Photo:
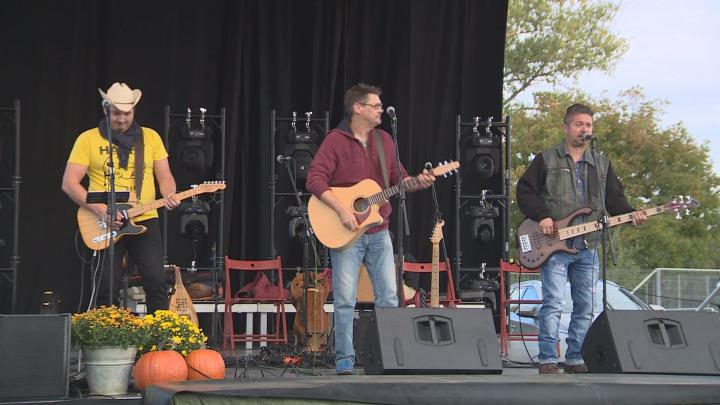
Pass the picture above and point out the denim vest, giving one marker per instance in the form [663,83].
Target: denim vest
[560,193]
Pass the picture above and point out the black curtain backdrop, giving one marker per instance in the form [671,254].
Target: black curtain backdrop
[433,59]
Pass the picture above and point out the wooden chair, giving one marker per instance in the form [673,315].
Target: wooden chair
[279,335]
[447,299]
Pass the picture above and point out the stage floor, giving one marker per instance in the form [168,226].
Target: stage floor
[513,386]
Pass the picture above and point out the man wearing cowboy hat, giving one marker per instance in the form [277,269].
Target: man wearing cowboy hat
[131,143]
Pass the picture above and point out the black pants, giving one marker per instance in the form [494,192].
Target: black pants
[145,251]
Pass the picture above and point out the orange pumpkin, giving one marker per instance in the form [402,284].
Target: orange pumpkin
[159,367]
[204,364]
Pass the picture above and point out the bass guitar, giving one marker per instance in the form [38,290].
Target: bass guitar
[536,247]
[364,200]
[96,232]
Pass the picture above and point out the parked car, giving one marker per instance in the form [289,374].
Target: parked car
[523,318]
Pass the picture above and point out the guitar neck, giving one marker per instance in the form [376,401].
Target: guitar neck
[411,183]
[435,280]
[143,208]
[588,227]
[381,197]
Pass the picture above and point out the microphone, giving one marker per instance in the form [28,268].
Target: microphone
[281,158]
[106,104]
[586,137]
[391,112]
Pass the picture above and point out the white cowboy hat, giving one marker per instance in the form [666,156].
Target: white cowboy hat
[121,96]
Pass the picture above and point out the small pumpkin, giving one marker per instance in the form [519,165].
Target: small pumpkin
[204,364]
[159,367]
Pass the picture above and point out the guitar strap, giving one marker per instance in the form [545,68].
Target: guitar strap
[139,163]
[381,156]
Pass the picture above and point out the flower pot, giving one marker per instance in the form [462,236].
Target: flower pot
[108,369]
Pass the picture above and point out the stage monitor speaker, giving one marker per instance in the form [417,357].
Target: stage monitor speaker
[656,342]
[430,341]
[35,352]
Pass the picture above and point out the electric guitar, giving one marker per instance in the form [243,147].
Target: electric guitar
[364,200]
[536,247]
[436,237]
[96,232]
[180,301]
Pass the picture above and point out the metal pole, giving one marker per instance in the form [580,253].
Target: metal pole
[17,179]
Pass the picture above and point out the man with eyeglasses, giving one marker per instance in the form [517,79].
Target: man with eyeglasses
[349,154]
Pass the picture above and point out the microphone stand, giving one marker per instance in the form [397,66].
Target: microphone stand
[603,220]
[309,238]
[403,227]
[112,212]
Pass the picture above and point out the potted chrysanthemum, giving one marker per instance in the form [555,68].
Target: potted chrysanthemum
[108,337]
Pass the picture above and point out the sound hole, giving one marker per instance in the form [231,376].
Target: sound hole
[360,205]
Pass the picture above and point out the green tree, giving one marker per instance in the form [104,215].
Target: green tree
[550,40]
[655,165]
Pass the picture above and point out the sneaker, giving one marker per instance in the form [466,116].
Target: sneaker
[344,367]
[576,369]
[549,368]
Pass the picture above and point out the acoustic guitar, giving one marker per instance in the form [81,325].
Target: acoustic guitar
[435,238]
[364,200]
[536,247]
[96,232]
[312,323]
[180,301]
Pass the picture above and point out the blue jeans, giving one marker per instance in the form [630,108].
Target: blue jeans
[376,252]
[581,270]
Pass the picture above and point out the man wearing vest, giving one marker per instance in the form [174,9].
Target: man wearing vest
[558,182]
[351,153]
[131,144]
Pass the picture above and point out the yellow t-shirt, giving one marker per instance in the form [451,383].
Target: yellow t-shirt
[91,150]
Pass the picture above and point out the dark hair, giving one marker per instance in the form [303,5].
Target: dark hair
[575,109]
[358,94]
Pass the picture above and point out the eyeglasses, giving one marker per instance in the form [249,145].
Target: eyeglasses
[377,106]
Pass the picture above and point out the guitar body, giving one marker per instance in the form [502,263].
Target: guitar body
[536,247]
[326,222]
[96,232]
[180,301]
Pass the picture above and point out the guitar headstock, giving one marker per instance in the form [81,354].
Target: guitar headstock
[437,234]
[681,205]
[209,186]
[445,168]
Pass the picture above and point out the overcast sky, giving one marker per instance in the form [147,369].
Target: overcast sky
[674,55]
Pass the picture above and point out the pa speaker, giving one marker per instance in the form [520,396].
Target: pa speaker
[430,341]
[35,356]
[660,342]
